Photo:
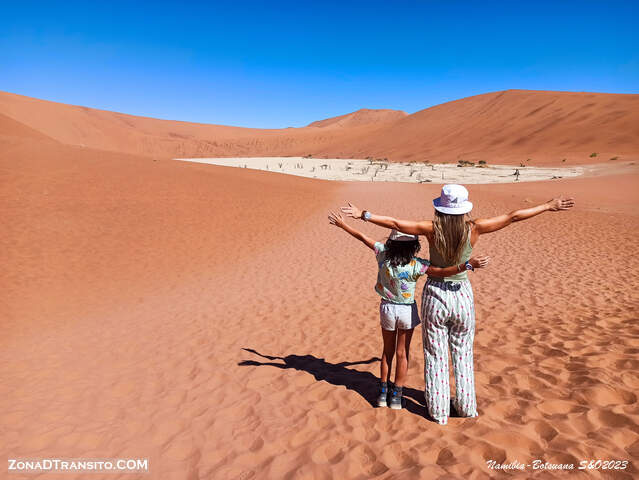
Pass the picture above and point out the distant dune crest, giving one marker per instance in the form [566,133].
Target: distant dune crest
[364,116]
[508,127]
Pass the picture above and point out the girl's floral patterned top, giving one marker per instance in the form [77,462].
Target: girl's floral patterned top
[397,284]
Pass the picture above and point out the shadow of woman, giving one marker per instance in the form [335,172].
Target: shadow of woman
[364,383]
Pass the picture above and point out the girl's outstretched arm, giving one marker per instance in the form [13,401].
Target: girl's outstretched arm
[338,220]
[488,225]
[404,226]
[476,262]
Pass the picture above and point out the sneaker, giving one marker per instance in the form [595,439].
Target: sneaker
[383,395]
[396,398]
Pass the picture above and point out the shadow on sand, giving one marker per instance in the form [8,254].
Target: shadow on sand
[364,383]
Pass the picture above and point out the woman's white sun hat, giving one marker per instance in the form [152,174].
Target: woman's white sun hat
[401,237]
[453,200]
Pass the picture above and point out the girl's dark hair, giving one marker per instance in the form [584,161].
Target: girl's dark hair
[400,253]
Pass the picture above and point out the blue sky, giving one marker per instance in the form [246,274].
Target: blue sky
[278,64]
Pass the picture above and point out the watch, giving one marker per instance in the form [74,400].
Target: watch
[366,215]
[469,266]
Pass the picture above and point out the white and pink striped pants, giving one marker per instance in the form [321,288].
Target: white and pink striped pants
[448,318]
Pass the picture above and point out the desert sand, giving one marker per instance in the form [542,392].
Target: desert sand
[210,319]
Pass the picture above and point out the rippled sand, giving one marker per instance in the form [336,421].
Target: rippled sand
[210,319]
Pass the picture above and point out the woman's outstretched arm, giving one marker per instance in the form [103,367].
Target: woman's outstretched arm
[404,226]
[337,220]
[488,225]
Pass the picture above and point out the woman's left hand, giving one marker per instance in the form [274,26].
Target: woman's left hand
[557,204]
[352,211]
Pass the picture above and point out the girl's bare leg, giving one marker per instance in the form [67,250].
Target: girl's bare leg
[388,353]
[404,338]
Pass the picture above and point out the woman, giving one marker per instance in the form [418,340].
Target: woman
[448,311]
[398,271]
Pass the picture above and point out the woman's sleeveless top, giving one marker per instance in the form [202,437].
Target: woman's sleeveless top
[437,261]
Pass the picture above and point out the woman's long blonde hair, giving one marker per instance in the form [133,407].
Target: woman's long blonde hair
[450,235]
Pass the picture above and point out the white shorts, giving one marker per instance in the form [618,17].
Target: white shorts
[393,316]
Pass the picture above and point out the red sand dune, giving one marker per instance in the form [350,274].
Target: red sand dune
[514,125]
[210,319]
[363,116]
[503,127]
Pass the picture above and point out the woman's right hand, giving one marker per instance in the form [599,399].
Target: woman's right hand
[479,262]
[352,211]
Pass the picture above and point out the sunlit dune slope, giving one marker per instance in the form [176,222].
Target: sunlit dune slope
[503,127]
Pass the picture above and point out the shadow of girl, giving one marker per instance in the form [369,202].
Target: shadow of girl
[364,383]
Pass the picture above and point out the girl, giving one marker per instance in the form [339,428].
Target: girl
[448,309]
[398,272]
